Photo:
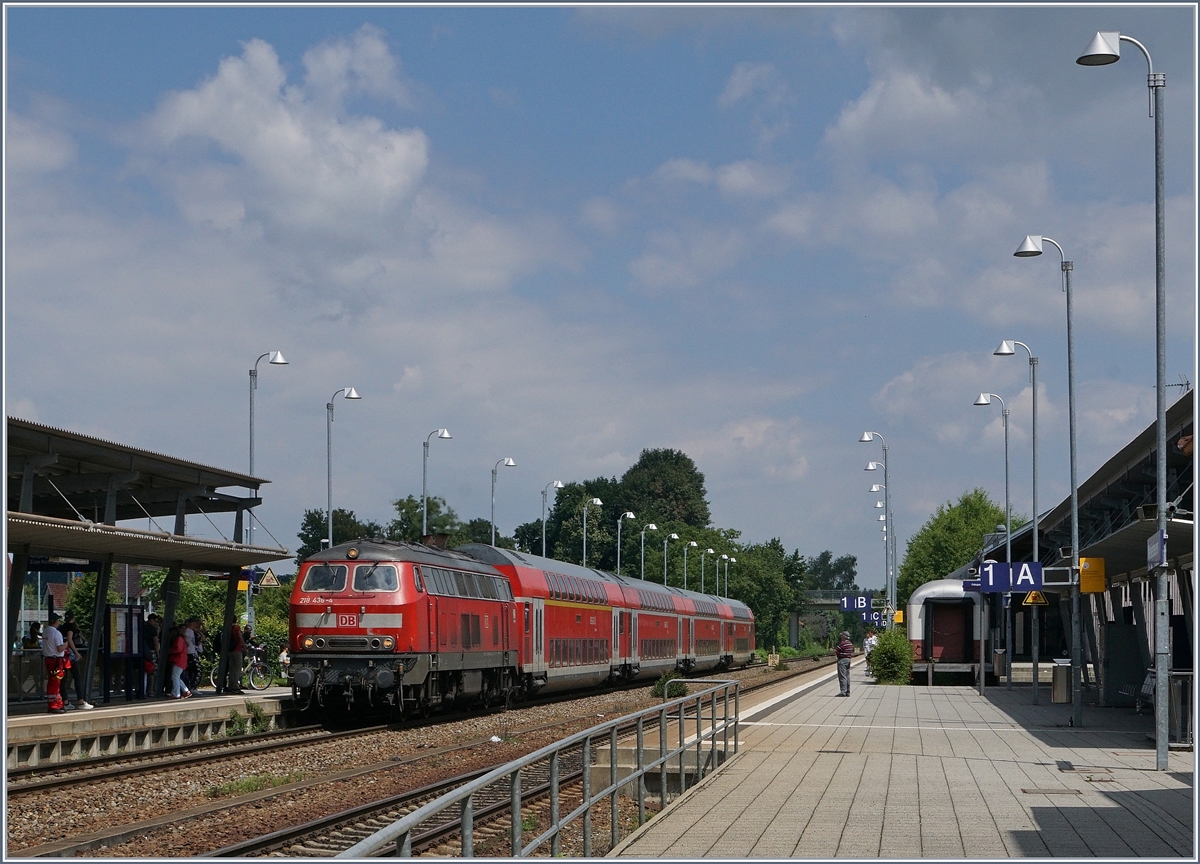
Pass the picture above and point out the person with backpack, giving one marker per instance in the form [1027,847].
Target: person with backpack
[844,650]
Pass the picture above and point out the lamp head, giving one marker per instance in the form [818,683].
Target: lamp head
[650,527]
[1030,247]
[557,484]
[724,557]
[510,463]
[873,466]
[672,536]
[877,487]
[692,544]
[878,505]
[628,515]
[444,433]
[1104,48]
[882,518]
[708,552]
[866,438]
[351,393]
[277,359]
[1006,348]
[595,501]
[984,399]
[732,560]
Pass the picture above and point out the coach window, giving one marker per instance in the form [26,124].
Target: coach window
[324,577]
[375,577]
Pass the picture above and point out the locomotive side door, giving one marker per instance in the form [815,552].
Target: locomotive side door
[527,637]
[615,650]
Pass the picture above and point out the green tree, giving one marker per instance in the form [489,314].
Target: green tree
[826,573]
[665,486]
[346,527]
[81,599]
[951,538]
[407,524]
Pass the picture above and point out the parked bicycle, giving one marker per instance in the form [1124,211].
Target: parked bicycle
[257,671]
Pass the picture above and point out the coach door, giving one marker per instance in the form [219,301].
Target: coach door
[685,638]
[615,653]
[633,639]
[539,634]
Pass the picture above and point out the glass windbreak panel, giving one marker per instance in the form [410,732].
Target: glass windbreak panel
[375,577]
[325,577]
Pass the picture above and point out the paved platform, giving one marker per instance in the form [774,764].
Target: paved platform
[931,772]
[36,737]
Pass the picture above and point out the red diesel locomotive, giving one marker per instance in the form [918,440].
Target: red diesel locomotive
[413,626]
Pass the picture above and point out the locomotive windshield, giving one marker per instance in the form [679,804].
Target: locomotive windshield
[375,577]
[325,577]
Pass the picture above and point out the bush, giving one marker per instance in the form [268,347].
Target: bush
[668,685]
[891,661]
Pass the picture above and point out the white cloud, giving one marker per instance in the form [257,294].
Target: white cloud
[748,79]
[684,171]
[686,259]
[363,63]
[33,147]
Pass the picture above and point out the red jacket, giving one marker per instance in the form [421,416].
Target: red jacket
[178,652]
[844,649]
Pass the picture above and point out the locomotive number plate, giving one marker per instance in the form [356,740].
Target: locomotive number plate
[347,620]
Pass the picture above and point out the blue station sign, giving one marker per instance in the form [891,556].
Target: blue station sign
[998,578]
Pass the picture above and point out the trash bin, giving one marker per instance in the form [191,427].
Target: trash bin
[1060,686]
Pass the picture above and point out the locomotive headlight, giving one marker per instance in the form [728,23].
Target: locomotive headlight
[308,642]
[389,643]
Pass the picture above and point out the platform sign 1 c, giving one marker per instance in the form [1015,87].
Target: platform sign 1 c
[856,603]
[875,617]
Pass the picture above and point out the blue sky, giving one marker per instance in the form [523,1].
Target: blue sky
[571,234]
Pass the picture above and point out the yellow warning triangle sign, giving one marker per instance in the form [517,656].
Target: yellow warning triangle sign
[270,580]
[1036,598]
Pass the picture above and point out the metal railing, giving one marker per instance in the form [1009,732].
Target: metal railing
[27,675]
[711,724]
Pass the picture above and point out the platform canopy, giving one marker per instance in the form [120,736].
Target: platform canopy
[54,472]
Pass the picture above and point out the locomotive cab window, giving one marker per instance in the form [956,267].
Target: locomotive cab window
[375,577]
[417,580]
[325,577]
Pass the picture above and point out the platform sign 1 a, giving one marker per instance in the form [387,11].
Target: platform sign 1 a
[1001,577]
[1027,576]
[855,603]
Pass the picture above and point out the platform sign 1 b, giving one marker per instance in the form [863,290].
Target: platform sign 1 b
[856,603]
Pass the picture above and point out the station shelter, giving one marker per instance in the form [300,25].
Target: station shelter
[68,494]
[1117,516]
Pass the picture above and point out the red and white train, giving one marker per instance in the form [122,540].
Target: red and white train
[414,626]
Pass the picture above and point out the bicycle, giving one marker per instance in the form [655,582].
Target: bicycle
[255,670]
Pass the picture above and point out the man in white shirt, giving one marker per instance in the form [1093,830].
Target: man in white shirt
[53,650]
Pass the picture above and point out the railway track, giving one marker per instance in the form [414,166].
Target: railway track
[26,780]
[325,837]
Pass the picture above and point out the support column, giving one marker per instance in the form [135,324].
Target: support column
[231,592]
[98,638]
[170,593]
[16,585]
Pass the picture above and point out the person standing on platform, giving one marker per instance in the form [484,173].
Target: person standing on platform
[233,672]
[191,638]
[33,639]
[844,650]
[54,651]
[150,651]
[869,645]
[74,640]
[178,657]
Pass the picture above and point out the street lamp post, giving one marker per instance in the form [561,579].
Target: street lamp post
[588,503]
[889,558]
[667,540]
[1007,349]
[351,393]
[1105,48]
[276,360]
[650,527]
[1031,247]
[731,560]
[626,515]
[553,484]
[441,433]
[702,554]
[986,399]
[724,558]
[507,462]
[691,544]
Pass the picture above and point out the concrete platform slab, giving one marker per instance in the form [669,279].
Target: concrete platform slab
[931,772]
